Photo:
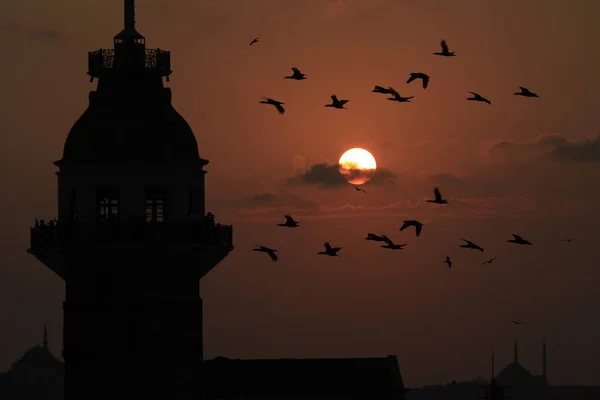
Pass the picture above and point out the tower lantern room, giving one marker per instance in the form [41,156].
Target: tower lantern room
[132,238]
[129,58]
[130,45]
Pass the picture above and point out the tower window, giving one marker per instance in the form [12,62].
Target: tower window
[155,204]
[108,204]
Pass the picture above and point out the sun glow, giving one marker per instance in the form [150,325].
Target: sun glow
[357,166]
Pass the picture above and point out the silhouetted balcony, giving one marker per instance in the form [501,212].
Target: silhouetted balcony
[104,59]
[201,232]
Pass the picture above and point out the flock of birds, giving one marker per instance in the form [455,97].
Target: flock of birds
[290,222]
[395,96]
[438,199]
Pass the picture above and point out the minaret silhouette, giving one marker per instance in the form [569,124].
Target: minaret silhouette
[493,390]
[132,239]
[493,374]
[516,355]
[544,360]
[45,338]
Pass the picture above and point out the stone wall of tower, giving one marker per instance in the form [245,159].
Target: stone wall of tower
[132,322]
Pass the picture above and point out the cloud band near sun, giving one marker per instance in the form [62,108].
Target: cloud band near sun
[554,147]
[325,175]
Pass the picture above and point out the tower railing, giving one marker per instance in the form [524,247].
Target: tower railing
[134,231]
[104,59]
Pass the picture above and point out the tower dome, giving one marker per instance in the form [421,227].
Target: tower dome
[130,116]
[112,132]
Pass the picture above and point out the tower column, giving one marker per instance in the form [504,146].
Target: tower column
[129,14]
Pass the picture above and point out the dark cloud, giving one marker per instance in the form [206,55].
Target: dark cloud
[273,206]
[463,207]
[265,197]
[555,147]
[283,199]
[33,32]
[586,150]
[445,180]
[326,175]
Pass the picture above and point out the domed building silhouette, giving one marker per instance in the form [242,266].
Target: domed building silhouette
[523,383]
[132,238]
[36,375]
[513,382]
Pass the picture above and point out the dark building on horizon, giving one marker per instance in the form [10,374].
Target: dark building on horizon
[36,375]
[133,239]
[524,383]
[514,380]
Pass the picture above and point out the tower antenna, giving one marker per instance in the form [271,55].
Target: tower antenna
[129,15]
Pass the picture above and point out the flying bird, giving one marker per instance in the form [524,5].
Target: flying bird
[270,252]
[518,240]
[437,197]
[568,240]
[330,251]
[359,189]
[478,97]
[391,245]
[445,51]
[517,322]
[525,92]
[374,237]
[381,89]
[336,103]
[470,245]
[419,75]
[408,223]
[289,222]
[489,261]
[448,261]
[277,104]
[297,75]
[396,97]
[255,40]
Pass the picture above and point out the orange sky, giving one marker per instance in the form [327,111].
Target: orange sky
[527,166]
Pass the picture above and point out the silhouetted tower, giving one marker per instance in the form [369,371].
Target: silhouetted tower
[544,360]
[132,239]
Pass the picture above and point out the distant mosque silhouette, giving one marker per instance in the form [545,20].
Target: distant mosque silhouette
[133,239]
[515,374]
[36,375]
[513,382]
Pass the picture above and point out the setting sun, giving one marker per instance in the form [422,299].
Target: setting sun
[357,166]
